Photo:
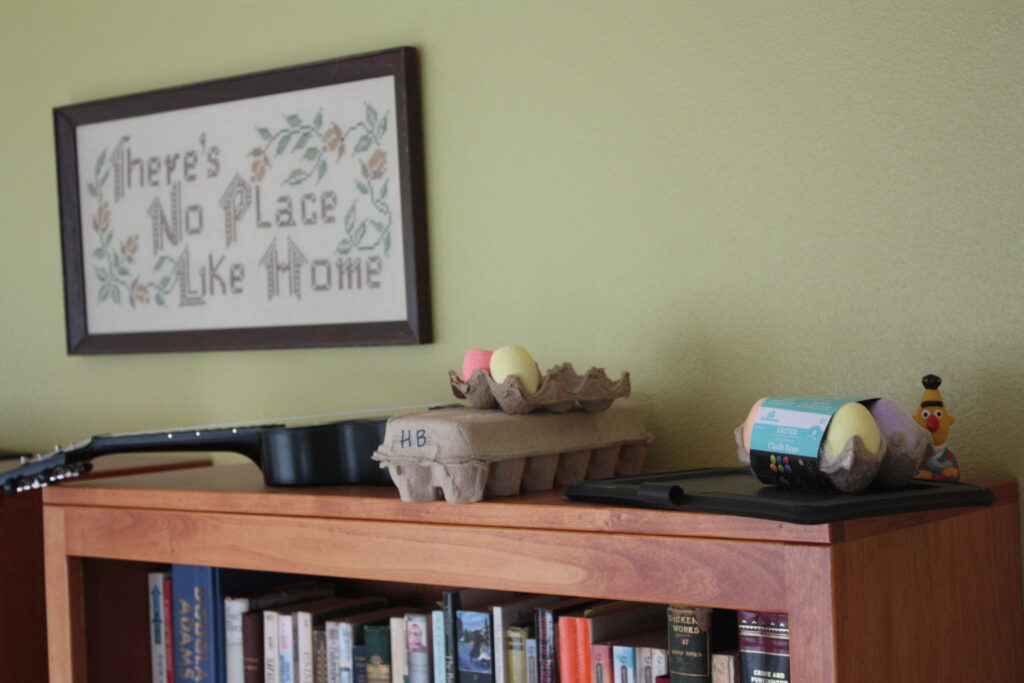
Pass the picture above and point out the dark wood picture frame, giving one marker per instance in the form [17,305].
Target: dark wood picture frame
[401,63]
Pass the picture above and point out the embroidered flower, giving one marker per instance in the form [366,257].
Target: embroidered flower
[101,221]
[377,167]
[260,164]
[139,293]
[334,140]
[129,248]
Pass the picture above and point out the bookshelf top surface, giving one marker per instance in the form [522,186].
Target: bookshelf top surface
[240,489]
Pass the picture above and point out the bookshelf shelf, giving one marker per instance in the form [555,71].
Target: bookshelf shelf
[863,596]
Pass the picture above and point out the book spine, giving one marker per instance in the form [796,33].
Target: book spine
[451,603]
[764,646]
[583,650]
[644,665]
[377,640]
[623,664]
[169,628]
[157,630]
[333,652]
[399,655]
[725,667]
[601,663]
[252,644]
[271,667]
[437,643]
[417,648]
[532,668]
[659,661]
[515,640]
[566,655]
[304,647]
[475,652]
[234,639]
[320,655]
[359,664]
[286,648]
[193,590]
[689,644]
[346,653]
[547,672]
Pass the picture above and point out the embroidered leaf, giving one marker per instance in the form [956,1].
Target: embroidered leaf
[115,294]
[265,134]
[103,180]
[350,218]
[293,120]
[382,126]
[311,153]
[101,275]
[318,119]
[97,252]
[303,139]
[378,225]
[160,299]
[163,282]
[344,246]
[92,191]
[371,116]
[283,145]
[321,168]
[360,232]
[122,271]
[295,177]
[104,292]
[99,162]
[387,244]
[361,187]
[384,189]
[364,143]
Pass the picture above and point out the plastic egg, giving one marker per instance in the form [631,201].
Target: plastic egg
[475,359]
[853,419]
[515,360]
[892,419]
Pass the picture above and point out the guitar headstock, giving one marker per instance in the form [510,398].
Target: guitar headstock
[42,470]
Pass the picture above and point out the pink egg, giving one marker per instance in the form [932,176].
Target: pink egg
[748,424]
[475,359]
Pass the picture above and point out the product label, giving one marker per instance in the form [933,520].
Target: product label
[786,436]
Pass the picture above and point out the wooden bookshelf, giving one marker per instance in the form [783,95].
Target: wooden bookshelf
[915,597]
[22,608]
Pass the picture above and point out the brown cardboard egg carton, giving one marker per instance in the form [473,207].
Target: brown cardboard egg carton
[466,454]
[561,389]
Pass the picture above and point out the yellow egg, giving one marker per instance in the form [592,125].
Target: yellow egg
[853,419]
[515,360]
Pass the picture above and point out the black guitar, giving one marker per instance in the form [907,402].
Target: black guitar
[317,455]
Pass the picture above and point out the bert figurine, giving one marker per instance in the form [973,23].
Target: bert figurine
[933,415]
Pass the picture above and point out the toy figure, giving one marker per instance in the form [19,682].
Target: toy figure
[935,417]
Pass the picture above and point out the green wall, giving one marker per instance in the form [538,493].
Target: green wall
[727,199]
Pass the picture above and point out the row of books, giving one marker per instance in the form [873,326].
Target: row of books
[233,626]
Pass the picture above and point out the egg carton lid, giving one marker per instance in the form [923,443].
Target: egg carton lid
[459,435]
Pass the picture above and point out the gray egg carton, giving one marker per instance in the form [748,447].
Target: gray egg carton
[467,454]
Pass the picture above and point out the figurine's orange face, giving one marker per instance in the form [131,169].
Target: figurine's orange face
[937,420]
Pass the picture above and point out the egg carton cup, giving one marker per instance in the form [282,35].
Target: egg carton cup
[561,389]
[466,454]
[900,461]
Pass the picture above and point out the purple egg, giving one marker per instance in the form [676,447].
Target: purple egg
[892,419]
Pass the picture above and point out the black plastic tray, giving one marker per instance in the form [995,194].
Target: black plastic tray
[735,491]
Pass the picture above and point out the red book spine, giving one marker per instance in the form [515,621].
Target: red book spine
[252,646]
[583,655]
[601,663]
[168,629]
[568,665]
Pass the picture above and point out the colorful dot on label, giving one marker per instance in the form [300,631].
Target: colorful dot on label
[771,458]
[785,460]
[789,470]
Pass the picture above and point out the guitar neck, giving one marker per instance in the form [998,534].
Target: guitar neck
[243,440]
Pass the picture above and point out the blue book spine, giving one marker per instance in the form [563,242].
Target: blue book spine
[438,642]
[193,592]
[359,663]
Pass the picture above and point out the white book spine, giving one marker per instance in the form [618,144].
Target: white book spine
[270,666]
[399,656]
[234,648]
[333,664]
[437,644]
[286,647]
[157,629]
[532,665]
[304,646]
[345,643]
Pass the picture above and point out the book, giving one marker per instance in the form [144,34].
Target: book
[515,611]
[725,667]
[567,656]
[319,655]
[689,630]
[252,628]
[515,658]
[377,639]
[286,647]
[237,604]
[351,634]
[623,664]
[271,664]
[532,665]
[601,663]
[649,657]
[313,614]
[169,628]
[198,604]
[399,650]
[437,645]
[418,648]
[546,631]
[452,601]
[359,664]
[763,647]
[608,620]
[159,621]
[476,662]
